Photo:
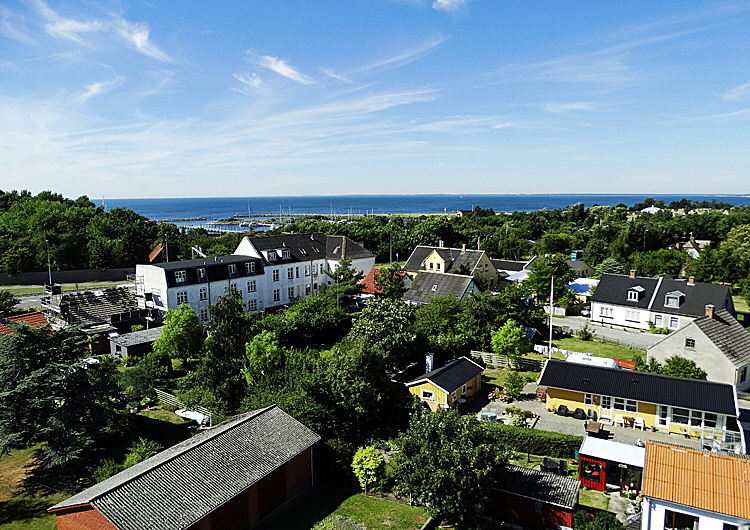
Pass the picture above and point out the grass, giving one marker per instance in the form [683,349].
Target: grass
[593,499]
[740,304]
[20,510]
[600,349]
[21,291]
[492,378]
[371,512]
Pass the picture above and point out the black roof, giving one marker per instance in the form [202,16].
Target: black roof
[538,485]
[510,265]
[727,334]
[452,376]
[430,284]
[416,260]
[216,269]
[454,257]
[311,246]
[697,296]
[613,289]
[695,394]
[179,486]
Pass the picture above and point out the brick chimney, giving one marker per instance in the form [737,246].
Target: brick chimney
[632,273]
[710,311]
[691,280]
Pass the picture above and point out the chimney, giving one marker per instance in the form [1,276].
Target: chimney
[632,273]
[343,247]
[710,311]
[463,247]
[691,280]
[440,243]
[430,362]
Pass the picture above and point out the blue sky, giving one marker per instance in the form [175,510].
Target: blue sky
[189,99]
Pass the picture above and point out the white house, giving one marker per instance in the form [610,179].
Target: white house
[686,489]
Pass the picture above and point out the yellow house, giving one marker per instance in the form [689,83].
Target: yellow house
[638,399]
[444,387]
[461,261]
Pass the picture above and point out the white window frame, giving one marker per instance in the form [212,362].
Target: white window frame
[624,405]
[203,315]
[672,301]
[290,292]
[632,296]
[659,321]
[180,276]
[290,273]
[252,286]
[428,395]
[276,275]
[250,267]
[252,304]
[203,294]
[632,316]
[182,297]
[606,312]
[286,254]
[588,399]
[277,295]
[307,270]
[201,274]
[232,269]
[674,322]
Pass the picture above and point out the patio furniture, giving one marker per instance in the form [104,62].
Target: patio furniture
[592,414]
[619,420]
[593,428]
[563,468]
[639,423]
[579,414]
[562,410]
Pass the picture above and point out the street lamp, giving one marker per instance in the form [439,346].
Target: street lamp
[49,263]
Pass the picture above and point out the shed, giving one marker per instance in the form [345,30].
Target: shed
[603,462]
[137,343]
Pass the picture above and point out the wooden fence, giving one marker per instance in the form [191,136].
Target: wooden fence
[173,401]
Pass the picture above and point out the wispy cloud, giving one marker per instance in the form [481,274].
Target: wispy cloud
[102,87]
[281,67]
[249,81]
[450,6]
[456,124]
[133,35]
[737,93]
[407,56]
[336,76]
[12,26]
[568,107]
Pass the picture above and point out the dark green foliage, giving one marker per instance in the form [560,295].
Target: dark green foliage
[535,442]
[7,301]
[675,366]
[390,280]
[345,287]
[182,335]
[539,281]
[387,328]
[318,320]
[601,521]
[49,394]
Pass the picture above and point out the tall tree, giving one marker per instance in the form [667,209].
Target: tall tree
[511,341]
[48,393]
[181,336]
[386,326]
[346,286]
[542,270]
[390,280]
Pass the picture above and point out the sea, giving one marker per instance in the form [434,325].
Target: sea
[216,208]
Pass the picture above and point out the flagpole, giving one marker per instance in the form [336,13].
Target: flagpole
[551,298]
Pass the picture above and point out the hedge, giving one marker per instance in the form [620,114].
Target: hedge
[525,440]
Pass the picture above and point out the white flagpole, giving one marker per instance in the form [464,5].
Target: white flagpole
[551,298]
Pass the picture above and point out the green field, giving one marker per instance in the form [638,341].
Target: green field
[600,349]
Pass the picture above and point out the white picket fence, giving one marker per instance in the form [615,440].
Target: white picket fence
[174,401]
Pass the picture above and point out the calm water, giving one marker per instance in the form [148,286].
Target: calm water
[224,207]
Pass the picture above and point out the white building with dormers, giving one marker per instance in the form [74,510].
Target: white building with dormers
[269,271]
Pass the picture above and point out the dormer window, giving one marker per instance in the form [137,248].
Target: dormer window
[271,255]
[286,254]
[635,293]
[180,276]
[232,270]
[434,288]
[674,299]
[250,267]
[201,275]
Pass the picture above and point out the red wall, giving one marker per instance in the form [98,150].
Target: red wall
[598,483]
[507,507]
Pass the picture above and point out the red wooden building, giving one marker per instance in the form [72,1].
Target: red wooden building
[226,478]
[532,499]
[602,462]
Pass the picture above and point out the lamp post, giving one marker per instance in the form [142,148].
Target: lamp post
[49,263]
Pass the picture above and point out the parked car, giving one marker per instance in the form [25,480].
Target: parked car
[586,311]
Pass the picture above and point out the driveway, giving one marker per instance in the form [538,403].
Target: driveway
[634,339]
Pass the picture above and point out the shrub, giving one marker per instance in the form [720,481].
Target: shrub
[523,440]
[140,451]
[106,469]
[514,385]
[585,333]
[369,466]
[658,331]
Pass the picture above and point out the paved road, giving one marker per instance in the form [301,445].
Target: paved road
[634,339]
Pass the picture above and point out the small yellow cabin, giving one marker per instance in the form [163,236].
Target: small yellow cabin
[444,387]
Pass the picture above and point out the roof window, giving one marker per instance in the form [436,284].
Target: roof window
[434,288]
[635,293]
[674,299]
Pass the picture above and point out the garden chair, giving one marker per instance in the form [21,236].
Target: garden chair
[638,423]
[619,420]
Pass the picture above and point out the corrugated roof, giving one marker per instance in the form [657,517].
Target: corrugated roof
[707,481]
[137,337]
[452,376]
[696,394]
[30,319]
[430,284]
[538,485]
[181,485]
[614,451]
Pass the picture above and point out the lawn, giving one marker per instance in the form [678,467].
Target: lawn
[600,349]
[593,499]
[342,501]
[492,378]
[740,304]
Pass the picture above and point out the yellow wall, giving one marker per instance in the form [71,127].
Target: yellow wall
[438,395]
[441,398]
[436,261]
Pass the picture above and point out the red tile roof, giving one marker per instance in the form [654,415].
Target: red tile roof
[699,479]
[368,282]
[32,319]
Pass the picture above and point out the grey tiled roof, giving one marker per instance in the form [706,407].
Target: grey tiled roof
[182,484]
[316,245]
[695,394]
[418,255]
[452,376]
[138,337]
[728,335]
[613,289]
[341,247]
[430,284]
[697,296]
[538,485]
[454,257]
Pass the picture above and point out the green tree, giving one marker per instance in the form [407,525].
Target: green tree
[139,451]
[610,266]
[542,270]
[386,326]
[583,520]
[346,286]
[446,463]
[681,367]
[50,394]
[390,280]
[369,466]
[262,356]
[437,324]
[7,301]
[511,342]
[181,336]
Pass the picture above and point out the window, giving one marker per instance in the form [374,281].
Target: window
[232,270]
[201,275]
[679,521]
[431,265]
[588,399]
[290,291]
[290,273]
[672,301]
[633,296]
[628,405]
[486,267]
[182,297]
[658,321]
[203,295]
[276,275]
[428,395]
[180,276]
[286,253]
[696,418]
[250,267]
[680,416]
[437,266]
[321,268]
[710,420]
[307,270]
[690,343]
[538,507]
[728,526]
[204,314]
[633,316]
[674,322]
[606,403]
[463,390]
[743,374]
[307,289]
[434,288]
[606,312]
[252,304]
[252,286]
[661,417]
[296,272]
[277,295]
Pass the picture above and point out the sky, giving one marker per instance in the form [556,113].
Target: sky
[131,99]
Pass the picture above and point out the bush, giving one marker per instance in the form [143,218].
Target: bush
[369,467]
[334,522]
[523,440]
[658,331]
[106,469]
[585,333]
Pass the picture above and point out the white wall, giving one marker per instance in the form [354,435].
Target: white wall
[653,516]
